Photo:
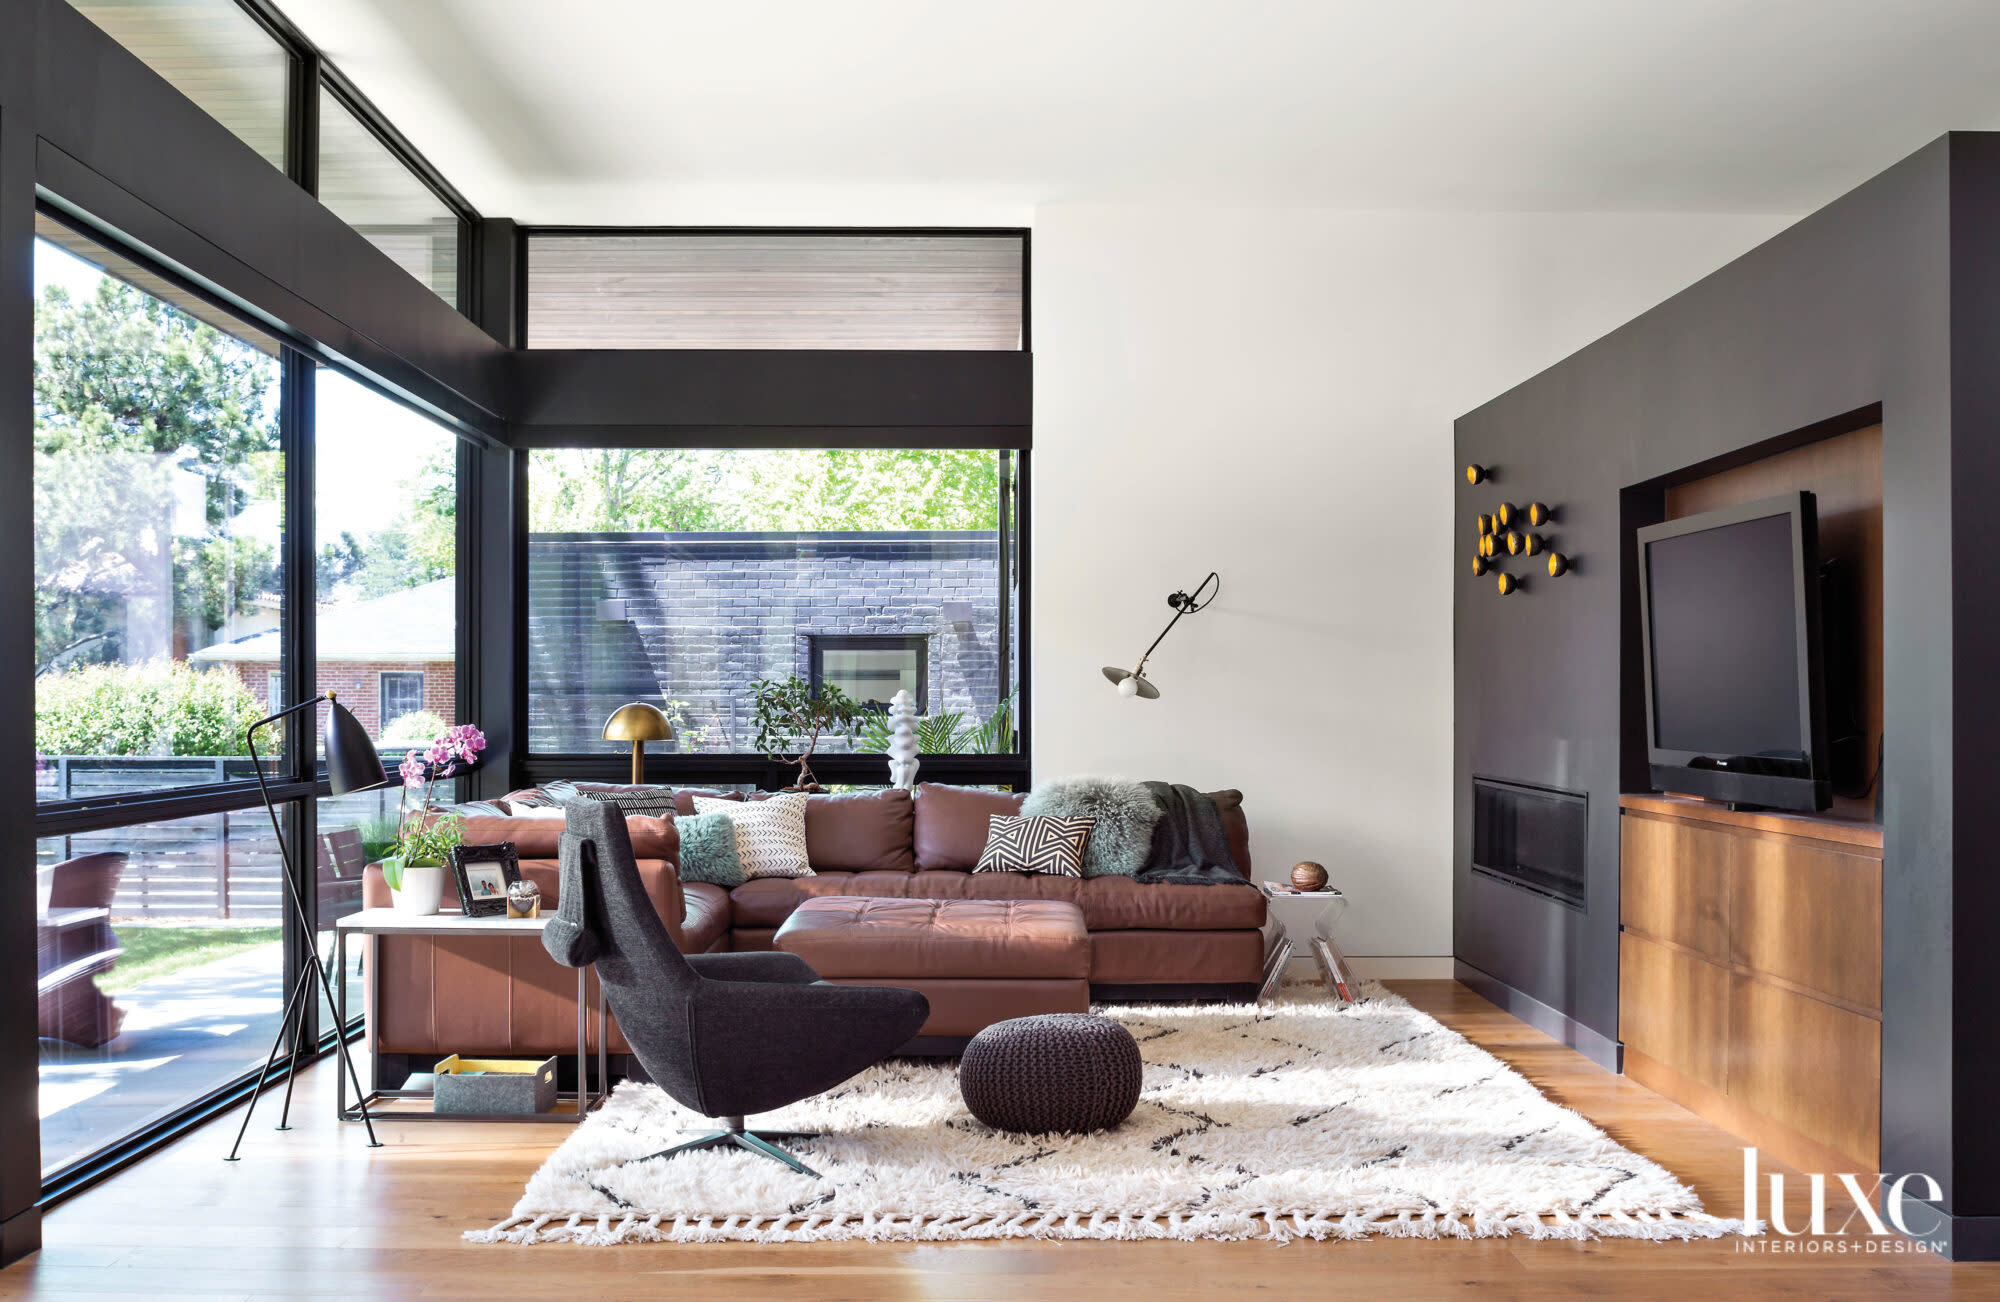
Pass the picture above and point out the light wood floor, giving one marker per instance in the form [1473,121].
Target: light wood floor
[315,1213]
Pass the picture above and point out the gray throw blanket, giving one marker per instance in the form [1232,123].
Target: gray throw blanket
[1189,845]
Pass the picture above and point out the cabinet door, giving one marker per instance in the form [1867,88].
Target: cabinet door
[1807,1065]
[1809,914]
[1674,882]
[1674,1008]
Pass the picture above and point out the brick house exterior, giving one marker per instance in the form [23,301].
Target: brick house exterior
[409,636]
[688,621]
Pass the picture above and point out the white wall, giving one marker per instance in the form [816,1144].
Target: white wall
[1270,394]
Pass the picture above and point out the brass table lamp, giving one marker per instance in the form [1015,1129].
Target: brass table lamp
[638,723]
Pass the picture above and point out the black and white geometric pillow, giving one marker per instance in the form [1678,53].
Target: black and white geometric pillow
[649,804]
[770,834]
[1028,844]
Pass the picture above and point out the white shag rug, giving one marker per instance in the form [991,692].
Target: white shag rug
[1297,1118]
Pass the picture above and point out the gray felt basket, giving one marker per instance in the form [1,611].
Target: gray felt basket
[494,1085]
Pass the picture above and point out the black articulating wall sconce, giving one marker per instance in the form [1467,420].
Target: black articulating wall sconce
[1510,531]
[1132,682]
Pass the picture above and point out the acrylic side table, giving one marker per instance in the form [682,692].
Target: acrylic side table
[392,922]
[1309,926]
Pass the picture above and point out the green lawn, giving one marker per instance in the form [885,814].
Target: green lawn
[154,952]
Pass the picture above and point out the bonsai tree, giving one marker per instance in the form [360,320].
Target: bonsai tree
[791,717]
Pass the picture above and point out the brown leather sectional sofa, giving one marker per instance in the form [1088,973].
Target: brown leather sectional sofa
[499,995]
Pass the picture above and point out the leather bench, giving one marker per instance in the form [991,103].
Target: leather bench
[977,961]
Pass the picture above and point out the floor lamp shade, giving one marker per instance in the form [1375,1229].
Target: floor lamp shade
[351,761]
[638,723]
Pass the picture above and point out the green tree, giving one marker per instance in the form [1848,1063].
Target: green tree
[136,404]
[160,707]
[671,490]
[855,490]
[616,490]
[421,544]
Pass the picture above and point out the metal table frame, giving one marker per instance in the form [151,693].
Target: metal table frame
[390,922]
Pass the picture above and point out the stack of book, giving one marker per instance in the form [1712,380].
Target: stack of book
[1333,967]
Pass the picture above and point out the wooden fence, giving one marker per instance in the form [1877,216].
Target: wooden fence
[210,866]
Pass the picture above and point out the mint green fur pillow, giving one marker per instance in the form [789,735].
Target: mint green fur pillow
[1121,841]
[708,850]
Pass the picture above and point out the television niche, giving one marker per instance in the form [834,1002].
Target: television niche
[1735,702]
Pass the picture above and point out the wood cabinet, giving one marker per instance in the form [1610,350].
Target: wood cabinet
[1750,973]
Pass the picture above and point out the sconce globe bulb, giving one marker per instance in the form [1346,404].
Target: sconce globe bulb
[1128,687]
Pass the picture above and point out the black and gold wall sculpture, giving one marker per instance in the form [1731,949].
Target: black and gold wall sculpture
[1509,531]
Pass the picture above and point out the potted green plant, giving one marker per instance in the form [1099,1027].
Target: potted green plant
[791,718]
[418,860]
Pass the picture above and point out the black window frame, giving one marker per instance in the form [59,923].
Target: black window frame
[818,644]
[299,782]
[1012,770]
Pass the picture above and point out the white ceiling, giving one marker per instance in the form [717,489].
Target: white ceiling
[971,111]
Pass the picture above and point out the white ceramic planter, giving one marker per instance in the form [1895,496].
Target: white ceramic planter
[423,890]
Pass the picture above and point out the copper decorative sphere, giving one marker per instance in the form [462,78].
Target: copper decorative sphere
[1309,876]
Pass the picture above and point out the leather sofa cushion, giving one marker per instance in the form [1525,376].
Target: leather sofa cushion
[768,901]
[1176,957]
[540,838]
[707,918]
[987,940]
[951,824]
[1108,903]
[867,831]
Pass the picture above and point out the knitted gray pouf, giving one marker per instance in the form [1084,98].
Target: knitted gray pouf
[1055,1072]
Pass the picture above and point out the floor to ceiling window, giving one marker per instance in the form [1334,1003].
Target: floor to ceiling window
[159,478]
[385,489]
[185,584]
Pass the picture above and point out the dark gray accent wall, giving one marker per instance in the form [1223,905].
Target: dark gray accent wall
[1883,305]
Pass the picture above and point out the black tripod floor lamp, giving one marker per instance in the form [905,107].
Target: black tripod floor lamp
[351,765]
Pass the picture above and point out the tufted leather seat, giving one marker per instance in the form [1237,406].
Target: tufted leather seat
[978,961]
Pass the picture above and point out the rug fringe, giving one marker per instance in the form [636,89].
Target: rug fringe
[1281,1227]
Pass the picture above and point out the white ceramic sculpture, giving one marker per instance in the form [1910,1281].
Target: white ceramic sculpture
[903,741]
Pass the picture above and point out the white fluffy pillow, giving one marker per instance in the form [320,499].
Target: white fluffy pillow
[770,834]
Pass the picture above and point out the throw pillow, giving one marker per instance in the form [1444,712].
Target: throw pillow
[1125,812]
[656,803]
[708,850]
[547,796]
[770,834]
[1021,844]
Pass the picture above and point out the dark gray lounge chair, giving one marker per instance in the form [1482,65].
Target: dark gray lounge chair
[728,1035]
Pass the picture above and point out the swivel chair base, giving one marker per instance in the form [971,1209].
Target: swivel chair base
[760,1142]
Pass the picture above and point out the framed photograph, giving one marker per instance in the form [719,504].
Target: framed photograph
[484,873]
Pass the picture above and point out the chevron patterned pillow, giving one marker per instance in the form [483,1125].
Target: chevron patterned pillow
[1017,844]
[770,834]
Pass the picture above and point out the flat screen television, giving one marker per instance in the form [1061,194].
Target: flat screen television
[1730,603]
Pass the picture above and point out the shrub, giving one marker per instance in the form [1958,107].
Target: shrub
[416,728]
[158,707]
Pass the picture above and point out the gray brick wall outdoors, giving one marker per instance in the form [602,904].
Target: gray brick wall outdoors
[696,617]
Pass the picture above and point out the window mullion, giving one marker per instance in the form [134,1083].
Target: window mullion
[298,668]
